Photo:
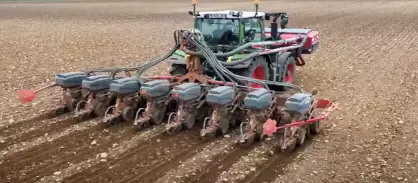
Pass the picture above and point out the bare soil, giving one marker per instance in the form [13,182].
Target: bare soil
[367,61]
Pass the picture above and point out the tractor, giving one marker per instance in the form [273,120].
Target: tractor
[229,33]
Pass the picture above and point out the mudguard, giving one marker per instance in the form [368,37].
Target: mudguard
[96,83]
[69,80]
[124,86]
[187,91]
[280,63]
[155,88]
[311,43]
[258,99]
[220,95]
[299,102]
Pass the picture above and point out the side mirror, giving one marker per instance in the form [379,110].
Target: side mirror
[314,92]
[191,13]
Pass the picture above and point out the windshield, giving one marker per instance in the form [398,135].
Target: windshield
[219,31]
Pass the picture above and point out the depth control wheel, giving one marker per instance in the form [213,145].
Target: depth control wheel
[100,108]
[315,127]
[71,105]
[158,114]
[190,120]
[302,133]
[128,114]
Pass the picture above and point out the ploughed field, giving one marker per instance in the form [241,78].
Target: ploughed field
[367,60]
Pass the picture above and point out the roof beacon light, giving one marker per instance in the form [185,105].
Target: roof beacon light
[256,2]
[194,7]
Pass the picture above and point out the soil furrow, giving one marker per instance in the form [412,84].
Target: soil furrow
[146,151]
[47,151]
[148,158]
[274,165]
[15,127]
[168,162]
[42,129]
[104,140]
[249,163]
[74,170]
[221,163]
[199,161]
[26,150]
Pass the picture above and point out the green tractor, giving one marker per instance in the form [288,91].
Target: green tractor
[244,46]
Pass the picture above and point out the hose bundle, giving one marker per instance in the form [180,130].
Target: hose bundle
[223,72]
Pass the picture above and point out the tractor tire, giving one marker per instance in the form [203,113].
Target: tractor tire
[178,69]
[258,69]
[289,70]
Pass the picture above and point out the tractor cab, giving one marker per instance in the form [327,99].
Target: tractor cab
[230,28]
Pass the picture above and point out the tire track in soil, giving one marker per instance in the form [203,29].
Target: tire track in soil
[48,157]
[124,165]
[221,163]
[43,128]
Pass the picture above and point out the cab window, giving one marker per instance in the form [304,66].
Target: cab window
[253,29]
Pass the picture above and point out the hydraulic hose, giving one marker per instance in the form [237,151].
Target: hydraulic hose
[141,68]
[211,58]
[215,63]
[248,45]
[210,61]
[150,64]
[256,54]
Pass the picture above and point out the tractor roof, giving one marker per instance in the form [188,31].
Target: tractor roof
[230,14]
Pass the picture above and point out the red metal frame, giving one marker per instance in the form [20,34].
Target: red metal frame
[320,103]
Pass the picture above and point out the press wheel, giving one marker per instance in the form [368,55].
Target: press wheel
[128,114]
[158,114]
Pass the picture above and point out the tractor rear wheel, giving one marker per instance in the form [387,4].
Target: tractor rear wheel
[258,69]
[289,70]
